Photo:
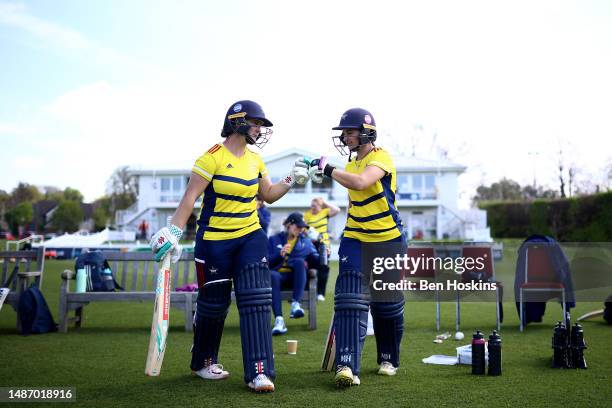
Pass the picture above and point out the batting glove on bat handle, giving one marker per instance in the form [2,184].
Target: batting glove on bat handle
[165,241]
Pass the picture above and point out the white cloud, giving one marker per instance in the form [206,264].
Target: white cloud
[17,15]
[16,129]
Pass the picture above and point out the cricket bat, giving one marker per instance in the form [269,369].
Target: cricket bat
[329,355]
[591,315]
[159,327]
[5,291]
[3,294]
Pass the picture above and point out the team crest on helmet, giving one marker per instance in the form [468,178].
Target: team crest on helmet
[237,107]
[344,116]
[368,119]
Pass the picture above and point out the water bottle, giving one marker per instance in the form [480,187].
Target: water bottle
[495,354]
[107,279]
[560,347]
[578,346]
[81,280]
[478,353]
[322,253]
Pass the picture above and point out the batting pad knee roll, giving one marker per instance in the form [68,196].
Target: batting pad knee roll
[254,298]
[212,304]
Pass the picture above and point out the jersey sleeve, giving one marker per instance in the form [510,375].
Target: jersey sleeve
[263,171]
[206,165]
[381,159]
[324,212]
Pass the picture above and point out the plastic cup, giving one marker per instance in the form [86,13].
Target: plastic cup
[292,346]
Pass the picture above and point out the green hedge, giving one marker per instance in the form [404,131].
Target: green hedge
[577,219]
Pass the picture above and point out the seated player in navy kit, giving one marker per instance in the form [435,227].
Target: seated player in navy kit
[230,245]
[290,252]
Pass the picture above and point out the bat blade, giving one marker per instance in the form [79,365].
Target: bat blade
[161,314]
[3,294]
[329,353]
[591,315]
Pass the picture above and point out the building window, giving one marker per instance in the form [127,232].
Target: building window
[417,181]
[172,189]
[324,187]
[416,186]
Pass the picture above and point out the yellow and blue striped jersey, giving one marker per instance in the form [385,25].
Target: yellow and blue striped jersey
[319,222]
[229,208]
[284,267]
[373,216]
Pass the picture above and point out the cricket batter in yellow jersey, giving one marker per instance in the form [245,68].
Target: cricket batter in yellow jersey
[230,244]
[372,218]
[317,217]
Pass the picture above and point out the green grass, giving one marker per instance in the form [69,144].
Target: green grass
[104,360]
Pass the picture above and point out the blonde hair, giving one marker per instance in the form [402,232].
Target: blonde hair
[318,200]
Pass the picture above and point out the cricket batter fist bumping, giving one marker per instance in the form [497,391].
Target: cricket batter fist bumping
[231,247]
[370,178]
[299,173]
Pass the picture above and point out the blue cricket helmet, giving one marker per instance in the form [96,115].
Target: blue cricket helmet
[236,122]
[358,119]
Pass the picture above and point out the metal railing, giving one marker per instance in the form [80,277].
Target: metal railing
[34,239]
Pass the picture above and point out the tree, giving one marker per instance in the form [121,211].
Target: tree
[503,190]
[20,216]
[73,194]
[67,216]
[52,193]
[102,215]
[24,192]
[4,201]
[101,219]
[510,190]
[123,189]
[531,193]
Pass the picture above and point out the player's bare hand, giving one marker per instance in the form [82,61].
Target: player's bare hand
[285,250]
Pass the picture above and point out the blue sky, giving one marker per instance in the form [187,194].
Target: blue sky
[89,86]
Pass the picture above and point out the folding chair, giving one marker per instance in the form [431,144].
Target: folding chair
[540,276]
[488,273]
[423,272]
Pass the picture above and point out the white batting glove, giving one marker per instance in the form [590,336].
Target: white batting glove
[315,172]
[167,240]
[299,173]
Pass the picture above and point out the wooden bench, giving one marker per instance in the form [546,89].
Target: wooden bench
[30,265]
[136,272]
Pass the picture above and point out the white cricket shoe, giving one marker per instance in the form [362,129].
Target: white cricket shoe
[212,372]
[321,298]
[345,377]
[296,310]
[279,326]
[386,368]
[261,383]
